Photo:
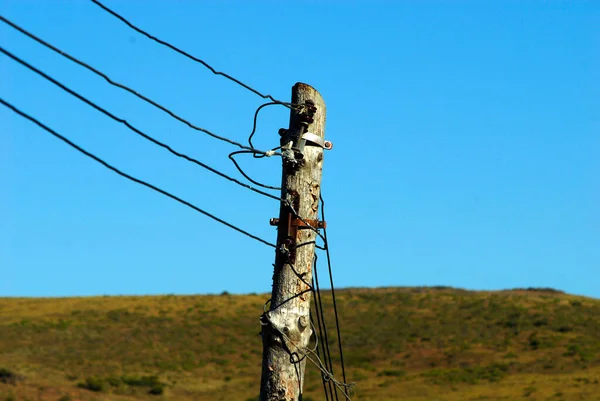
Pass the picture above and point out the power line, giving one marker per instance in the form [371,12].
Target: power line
[153,140]
[317,337]
[132,128]
[337,322]
[327,367]
[126,88]
[129,177]
[324,341]
[184,53]
[324,335]
[246,176]
[330,387]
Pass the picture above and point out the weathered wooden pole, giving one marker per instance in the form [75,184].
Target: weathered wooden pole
[286,329]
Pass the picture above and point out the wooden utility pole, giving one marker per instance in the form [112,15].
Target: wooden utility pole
[286,328]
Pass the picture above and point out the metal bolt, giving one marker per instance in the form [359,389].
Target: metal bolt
[328,145]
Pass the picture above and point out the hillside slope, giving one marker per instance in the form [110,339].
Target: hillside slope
[399,344]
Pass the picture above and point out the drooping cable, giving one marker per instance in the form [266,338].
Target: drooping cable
[131,127]
[323,344]
[126,88]
[319,305]
[129,177]
[337,321]
[184,53]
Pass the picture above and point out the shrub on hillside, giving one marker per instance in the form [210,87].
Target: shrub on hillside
[469,375]
[392,373]
[93,383]
[156,387]
[97,384]
[9,377]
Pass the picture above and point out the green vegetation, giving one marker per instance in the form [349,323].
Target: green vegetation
[93,384]
[99,384]
[421,343]
[470,375]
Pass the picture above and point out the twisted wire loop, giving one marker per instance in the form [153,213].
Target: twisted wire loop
[129,177]
[256,113]
[306,352]
[185,54]
[257,155]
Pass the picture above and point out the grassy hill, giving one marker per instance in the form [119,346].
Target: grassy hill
[399,343]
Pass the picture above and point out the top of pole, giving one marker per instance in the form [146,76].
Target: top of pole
[302,92]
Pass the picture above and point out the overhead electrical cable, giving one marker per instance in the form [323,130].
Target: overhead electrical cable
[129,177]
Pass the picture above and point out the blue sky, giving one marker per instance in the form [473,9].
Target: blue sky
[466,144]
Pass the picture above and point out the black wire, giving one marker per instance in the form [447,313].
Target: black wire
[319,346]
[311,288]
[261,155]
[184,53]
[295,363]
[322,343]
[294,212]
[126,88]
[300,245]
[325,339]
[132,128]
[300,276]
[110,167]
[308,226]
[289,299]
[259,108]
[337,322]
[254,154]
[250,149]
[322,334]
[246,175]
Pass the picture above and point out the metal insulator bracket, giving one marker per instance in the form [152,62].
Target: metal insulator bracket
[300,224]
[317,140]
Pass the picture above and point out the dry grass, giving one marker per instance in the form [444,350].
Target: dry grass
[400,343]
